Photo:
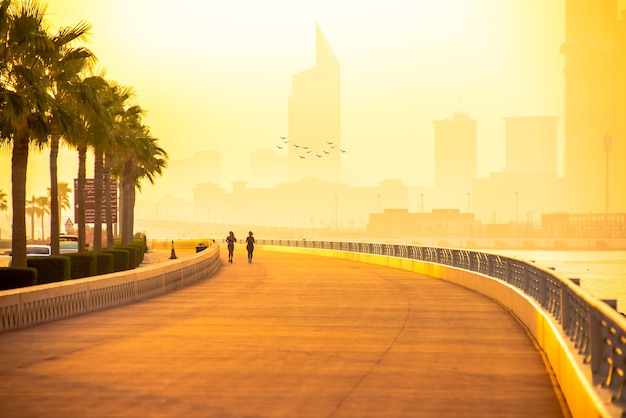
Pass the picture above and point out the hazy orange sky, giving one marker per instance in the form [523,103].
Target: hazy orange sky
[216,75]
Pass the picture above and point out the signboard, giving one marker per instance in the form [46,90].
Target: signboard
[90,201]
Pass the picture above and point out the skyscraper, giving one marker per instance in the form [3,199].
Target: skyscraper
[595,106]
[531,144]
[455,159]
[314,132]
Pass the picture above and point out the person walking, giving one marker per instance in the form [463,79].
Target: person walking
[231,240]
[250,246]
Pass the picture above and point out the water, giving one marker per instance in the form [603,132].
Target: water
[602,274]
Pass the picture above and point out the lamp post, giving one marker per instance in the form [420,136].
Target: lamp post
[608,144]
[516,224]
[336,213]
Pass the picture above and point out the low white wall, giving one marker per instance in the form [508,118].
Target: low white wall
[27,306]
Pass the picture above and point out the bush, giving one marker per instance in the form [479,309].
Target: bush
[141,250]
[82,265]
[105,263]
[120,259]
[14,277]
[133,255]
[54,268]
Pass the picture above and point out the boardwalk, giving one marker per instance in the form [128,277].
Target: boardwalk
[286,336]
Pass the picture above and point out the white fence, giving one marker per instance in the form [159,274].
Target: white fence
[32,305]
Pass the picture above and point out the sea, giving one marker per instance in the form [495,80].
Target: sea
[602,274]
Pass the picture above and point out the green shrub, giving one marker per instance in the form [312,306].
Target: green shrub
[105,263]
[141,250]
[14,277]
[82,264]
[120,259]
[133,255]
[54,268]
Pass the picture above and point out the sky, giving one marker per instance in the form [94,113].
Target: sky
[216,75]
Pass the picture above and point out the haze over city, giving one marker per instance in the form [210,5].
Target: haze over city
[217,77]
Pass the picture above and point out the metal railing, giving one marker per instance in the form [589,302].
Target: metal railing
[596,331]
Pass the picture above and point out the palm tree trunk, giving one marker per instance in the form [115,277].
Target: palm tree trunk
[80,193]
[108,203]
[98,186]
[128,185]
[32,219]
[55,217]
[19,162]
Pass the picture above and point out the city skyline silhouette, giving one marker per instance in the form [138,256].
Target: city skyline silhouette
[417,153]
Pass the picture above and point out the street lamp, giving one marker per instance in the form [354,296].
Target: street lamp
[608,144]
[515,207]
[336,213]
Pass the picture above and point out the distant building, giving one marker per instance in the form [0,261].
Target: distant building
[529,185]
[584,225]
[400,223]
[595,103]
[531,144]
[455,159]
[267,169]
[314,132]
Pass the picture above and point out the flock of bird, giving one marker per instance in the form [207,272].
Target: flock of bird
[306,150]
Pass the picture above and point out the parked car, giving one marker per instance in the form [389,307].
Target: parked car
[35,250]
[69,244]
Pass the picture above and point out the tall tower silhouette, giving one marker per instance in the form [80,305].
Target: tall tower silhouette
[595,105]
[455,159]
[314,117]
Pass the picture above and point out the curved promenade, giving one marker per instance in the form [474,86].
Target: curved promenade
[287,336]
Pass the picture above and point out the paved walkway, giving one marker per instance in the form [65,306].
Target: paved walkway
[285,336]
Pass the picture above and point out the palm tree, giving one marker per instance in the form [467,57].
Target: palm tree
[139,159]
[3,205]
[24,48]
[102,134]
[63,199]
[64,76]
[32,210]
[3,201]
[43,206]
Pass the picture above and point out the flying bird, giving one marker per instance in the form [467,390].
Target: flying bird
[344,151]
[326,152]
[301,157]
[319,155]
[279,147]
[297,146]
[329,142]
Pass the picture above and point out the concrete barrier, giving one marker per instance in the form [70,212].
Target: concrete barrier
[48,302]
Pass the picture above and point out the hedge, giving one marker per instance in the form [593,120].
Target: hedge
[82,264]
[14,277]
[105,263]
[120,259]
[54,268]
